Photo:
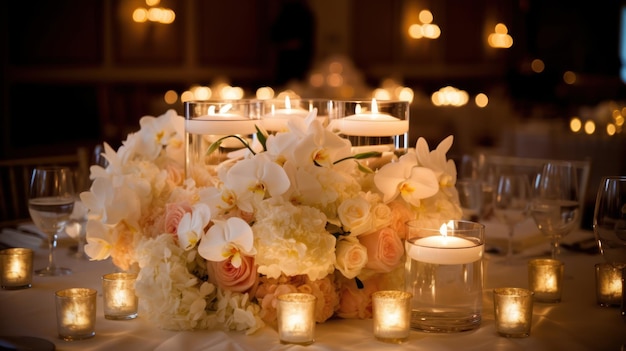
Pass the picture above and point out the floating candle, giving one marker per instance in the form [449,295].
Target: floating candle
[276,119]
[372,123]
[445,249]
[220,123]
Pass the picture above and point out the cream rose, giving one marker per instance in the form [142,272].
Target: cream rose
[351,257]
[354,214]
[384,249]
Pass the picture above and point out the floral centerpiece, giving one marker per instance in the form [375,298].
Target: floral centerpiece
[296,212]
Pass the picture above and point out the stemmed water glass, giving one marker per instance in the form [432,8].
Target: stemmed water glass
[609,220]
[555,207]
[511,201]
[609,224]
[50,203]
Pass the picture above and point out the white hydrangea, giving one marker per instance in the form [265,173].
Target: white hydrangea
[293,240]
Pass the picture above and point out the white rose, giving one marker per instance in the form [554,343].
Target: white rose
[351,257]
[354,214]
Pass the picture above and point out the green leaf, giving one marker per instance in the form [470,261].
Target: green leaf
[214,147]
[370,154]
[261,136]
[364,168]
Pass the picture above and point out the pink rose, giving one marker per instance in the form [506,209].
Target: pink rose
[174,212]
[384,249]
[327,298]
[355,302]
[228,277]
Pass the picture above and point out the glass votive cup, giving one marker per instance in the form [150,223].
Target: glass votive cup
[391,315]
[118,295]
[296,318]
[76,313]
[16,268]
[608,285]
[545,279]
[513,309]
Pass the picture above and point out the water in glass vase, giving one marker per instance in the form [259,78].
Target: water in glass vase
[50,213]
[446,297]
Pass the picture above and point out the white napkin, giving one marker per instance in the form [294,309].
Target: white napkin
[18,238]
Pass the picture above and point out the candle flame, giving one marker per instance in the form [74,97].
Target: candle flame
[357,109]
[287,103]
[211,110]
[374,106]
[444,228]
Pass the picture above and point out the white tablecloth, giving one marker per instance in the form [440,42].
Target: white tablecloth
[577,323]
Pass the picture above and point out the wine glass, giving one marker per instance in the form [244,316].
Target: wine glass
[609,220]
[511,202]
[555,207]
[50,203]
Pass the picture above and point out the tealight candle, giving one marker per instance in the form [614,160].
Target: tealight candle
[608,285]
[16,266]
[391,315]
[545,279]
[118,292]
[296,318]
[513,308]
[76,313]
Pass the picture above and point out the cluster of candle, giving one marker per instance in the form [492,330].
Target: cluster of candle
[226,126]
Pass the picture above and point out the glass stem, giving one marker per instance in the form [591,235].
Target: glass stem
[509,249]
[555,248]
[52,244]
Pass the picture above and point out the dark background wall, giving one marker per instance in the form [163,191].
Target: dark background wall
[85,65]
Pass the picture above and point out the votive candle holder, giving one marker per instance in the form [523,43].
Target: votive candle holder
[391,315]
[76,313]
[545,279]
[513,308]
[608,285]
[296,318]
[118,292]
[16,268]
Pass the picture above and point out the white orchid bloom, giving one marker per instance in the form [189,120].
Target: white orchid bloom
[155,134]
[229,239]
[111,204]
[407,179]
[255,178]
[191,226]
[99,240]
[444,169]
